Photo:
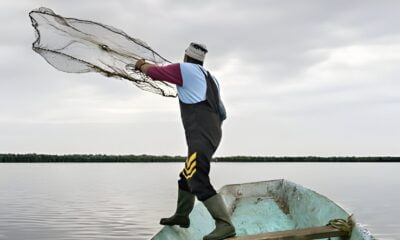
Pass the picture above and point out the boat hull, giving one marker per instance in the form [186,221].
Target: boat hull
[262,207]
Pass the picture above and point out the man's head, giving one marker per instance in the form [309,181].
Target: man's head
[195,53]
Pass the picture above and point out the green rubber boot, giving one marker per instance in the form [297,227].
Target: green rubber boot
[223,225]
[184,207]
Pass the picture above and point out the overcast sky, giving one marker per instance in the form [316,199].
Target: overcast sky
[298,78]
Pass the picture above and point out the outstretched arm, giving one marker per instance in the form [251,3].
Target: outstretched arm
[170,73]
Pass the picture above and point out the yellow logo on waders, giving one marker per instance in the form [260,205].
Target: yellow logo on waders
[190,166]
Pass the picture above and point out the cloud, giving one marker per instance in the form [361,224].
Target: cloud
[306,77]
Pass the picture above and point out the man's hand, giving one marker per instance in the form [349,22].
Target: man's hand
[143,66]
[139,64]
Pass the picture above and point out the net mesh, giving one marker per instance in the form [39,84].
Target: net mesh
[78,46]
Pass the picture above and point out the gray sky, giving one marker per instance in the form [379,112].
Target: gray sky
[298,78]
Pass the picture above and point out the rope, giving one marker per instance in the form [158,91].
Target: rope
[342,224]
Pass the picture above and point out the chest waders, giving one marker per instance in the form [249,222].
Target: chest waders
[202,122]
[202,125]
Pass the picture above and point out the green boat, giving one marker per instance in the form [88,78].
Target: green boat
[276,209]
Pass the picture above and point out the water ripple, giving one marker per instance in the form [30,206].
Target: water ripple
[125,201]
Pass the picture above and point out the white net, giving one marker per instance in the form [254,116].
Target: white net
[78,46]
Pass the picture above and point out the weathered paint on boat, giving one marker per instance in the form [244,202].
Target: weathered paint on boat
[262,207]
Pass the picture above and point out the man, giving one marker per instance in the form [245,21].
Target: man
[202,113]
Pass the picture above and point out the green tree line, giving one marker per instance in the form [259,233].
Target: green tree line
[37,158]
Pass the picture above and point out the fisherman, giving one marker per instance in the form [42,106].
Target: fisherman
[202,113]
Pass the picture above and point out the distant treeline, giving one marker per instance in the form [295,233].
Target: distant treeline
[36,158]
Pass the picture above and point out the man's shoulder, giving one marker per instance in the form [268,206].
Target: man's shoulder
[189,65]
[191,68]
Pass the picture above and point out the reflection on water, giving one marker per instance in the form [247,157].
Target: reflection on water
[125,200]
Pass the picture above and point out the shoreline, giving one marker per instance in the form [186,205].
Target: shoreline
[96,158]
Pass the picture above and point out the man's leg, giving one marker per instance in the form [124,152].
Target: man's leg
[196,173]
[185,205]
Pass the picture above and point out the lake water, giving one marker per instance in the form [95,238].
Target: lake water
[125,200]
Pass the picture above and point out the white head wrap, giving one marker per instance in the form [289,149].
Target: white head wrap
[197,51]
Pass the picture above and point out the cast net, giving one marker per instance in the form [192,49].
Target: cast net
[78,46]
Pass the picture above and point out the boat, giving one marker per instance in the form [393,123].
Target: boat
[280,208]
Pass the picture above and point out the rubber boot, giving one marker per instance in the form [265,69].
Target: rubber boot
[223,225]
[184,207]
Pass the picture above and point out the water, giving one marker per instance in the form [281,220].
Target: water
[125,200]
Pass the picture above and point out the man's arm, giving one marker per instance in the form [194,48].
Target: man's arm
[170,73]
